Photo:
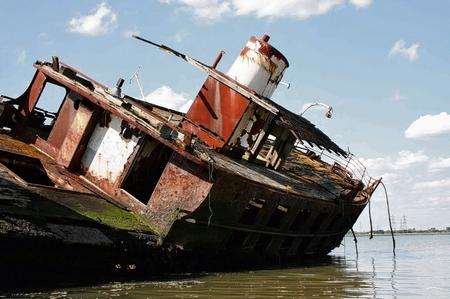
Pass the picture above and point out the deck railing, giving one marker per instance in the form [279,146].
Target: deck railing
[354,167]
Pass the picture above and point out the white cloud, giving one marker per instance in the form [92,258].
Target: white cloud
[164,96]
[404,160]
[399,48]
[21,57]
[414,190]
[391,177]
[439,200]
[438,184]
[397,96]
[407,158]
[429,125]
[439,164]
[212,10]
[180,36]
[203,10]
[300,9]
[375,165]
[100,21]
[361,3]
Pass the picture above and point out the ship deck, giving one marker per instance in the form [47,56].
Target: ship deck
[307,178]
[28,194]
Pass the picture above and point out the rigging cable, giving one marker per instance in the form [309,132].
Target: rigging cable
[389,215]
[356,242]
[370,221]
[210,175]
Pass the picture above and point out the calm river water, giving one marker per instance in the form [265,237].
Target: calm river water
[420,269]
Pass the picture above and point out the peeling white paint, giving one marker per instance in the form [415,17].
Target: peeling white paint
[107,151]
[257,71]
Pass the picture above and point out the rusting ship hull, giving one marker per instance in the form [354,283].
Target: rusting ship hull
[259,212]
[237,175]
[47,232]
[244,216]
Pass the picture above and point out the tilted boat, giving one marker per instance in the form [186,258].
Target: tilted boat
[237,174]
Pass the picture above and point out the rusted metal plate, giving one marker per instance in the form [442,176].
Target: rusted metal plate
[64,121]
[182,186]
[29,98]
[218,109]
[46,147]
[204,135]
[75,133]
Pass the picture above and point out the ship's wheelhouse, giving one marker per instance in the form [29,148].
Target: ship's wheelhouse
[60,115]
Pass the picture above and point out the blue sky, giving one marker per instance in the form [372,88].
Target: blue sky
[382,65]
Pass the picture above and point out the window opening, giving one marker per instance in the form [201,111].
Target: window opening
[47,107]
[147,168]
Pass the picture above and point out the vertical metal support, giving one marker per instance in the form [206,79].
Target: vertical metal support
[218,59]
[55,63]
[75,134]
[29,99]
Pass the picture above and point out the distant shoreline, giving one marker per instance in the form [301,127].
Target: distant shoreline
[388,233]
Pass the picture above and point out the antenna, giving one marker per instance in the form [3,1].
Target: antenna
[135,76]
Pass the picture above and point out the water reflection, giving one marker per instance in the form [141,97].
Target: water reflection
[335,277]
[394,269]
[375,273]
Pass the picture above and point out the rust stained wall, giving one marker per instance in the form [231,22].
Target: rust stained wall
[182,186]
[78,130]
[63,122]
[218,109]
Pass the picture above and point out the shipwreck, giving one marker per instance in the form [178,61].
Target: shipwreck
[110,179]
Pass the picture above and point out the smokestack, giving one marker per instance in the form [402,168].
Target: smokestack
[259,66]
